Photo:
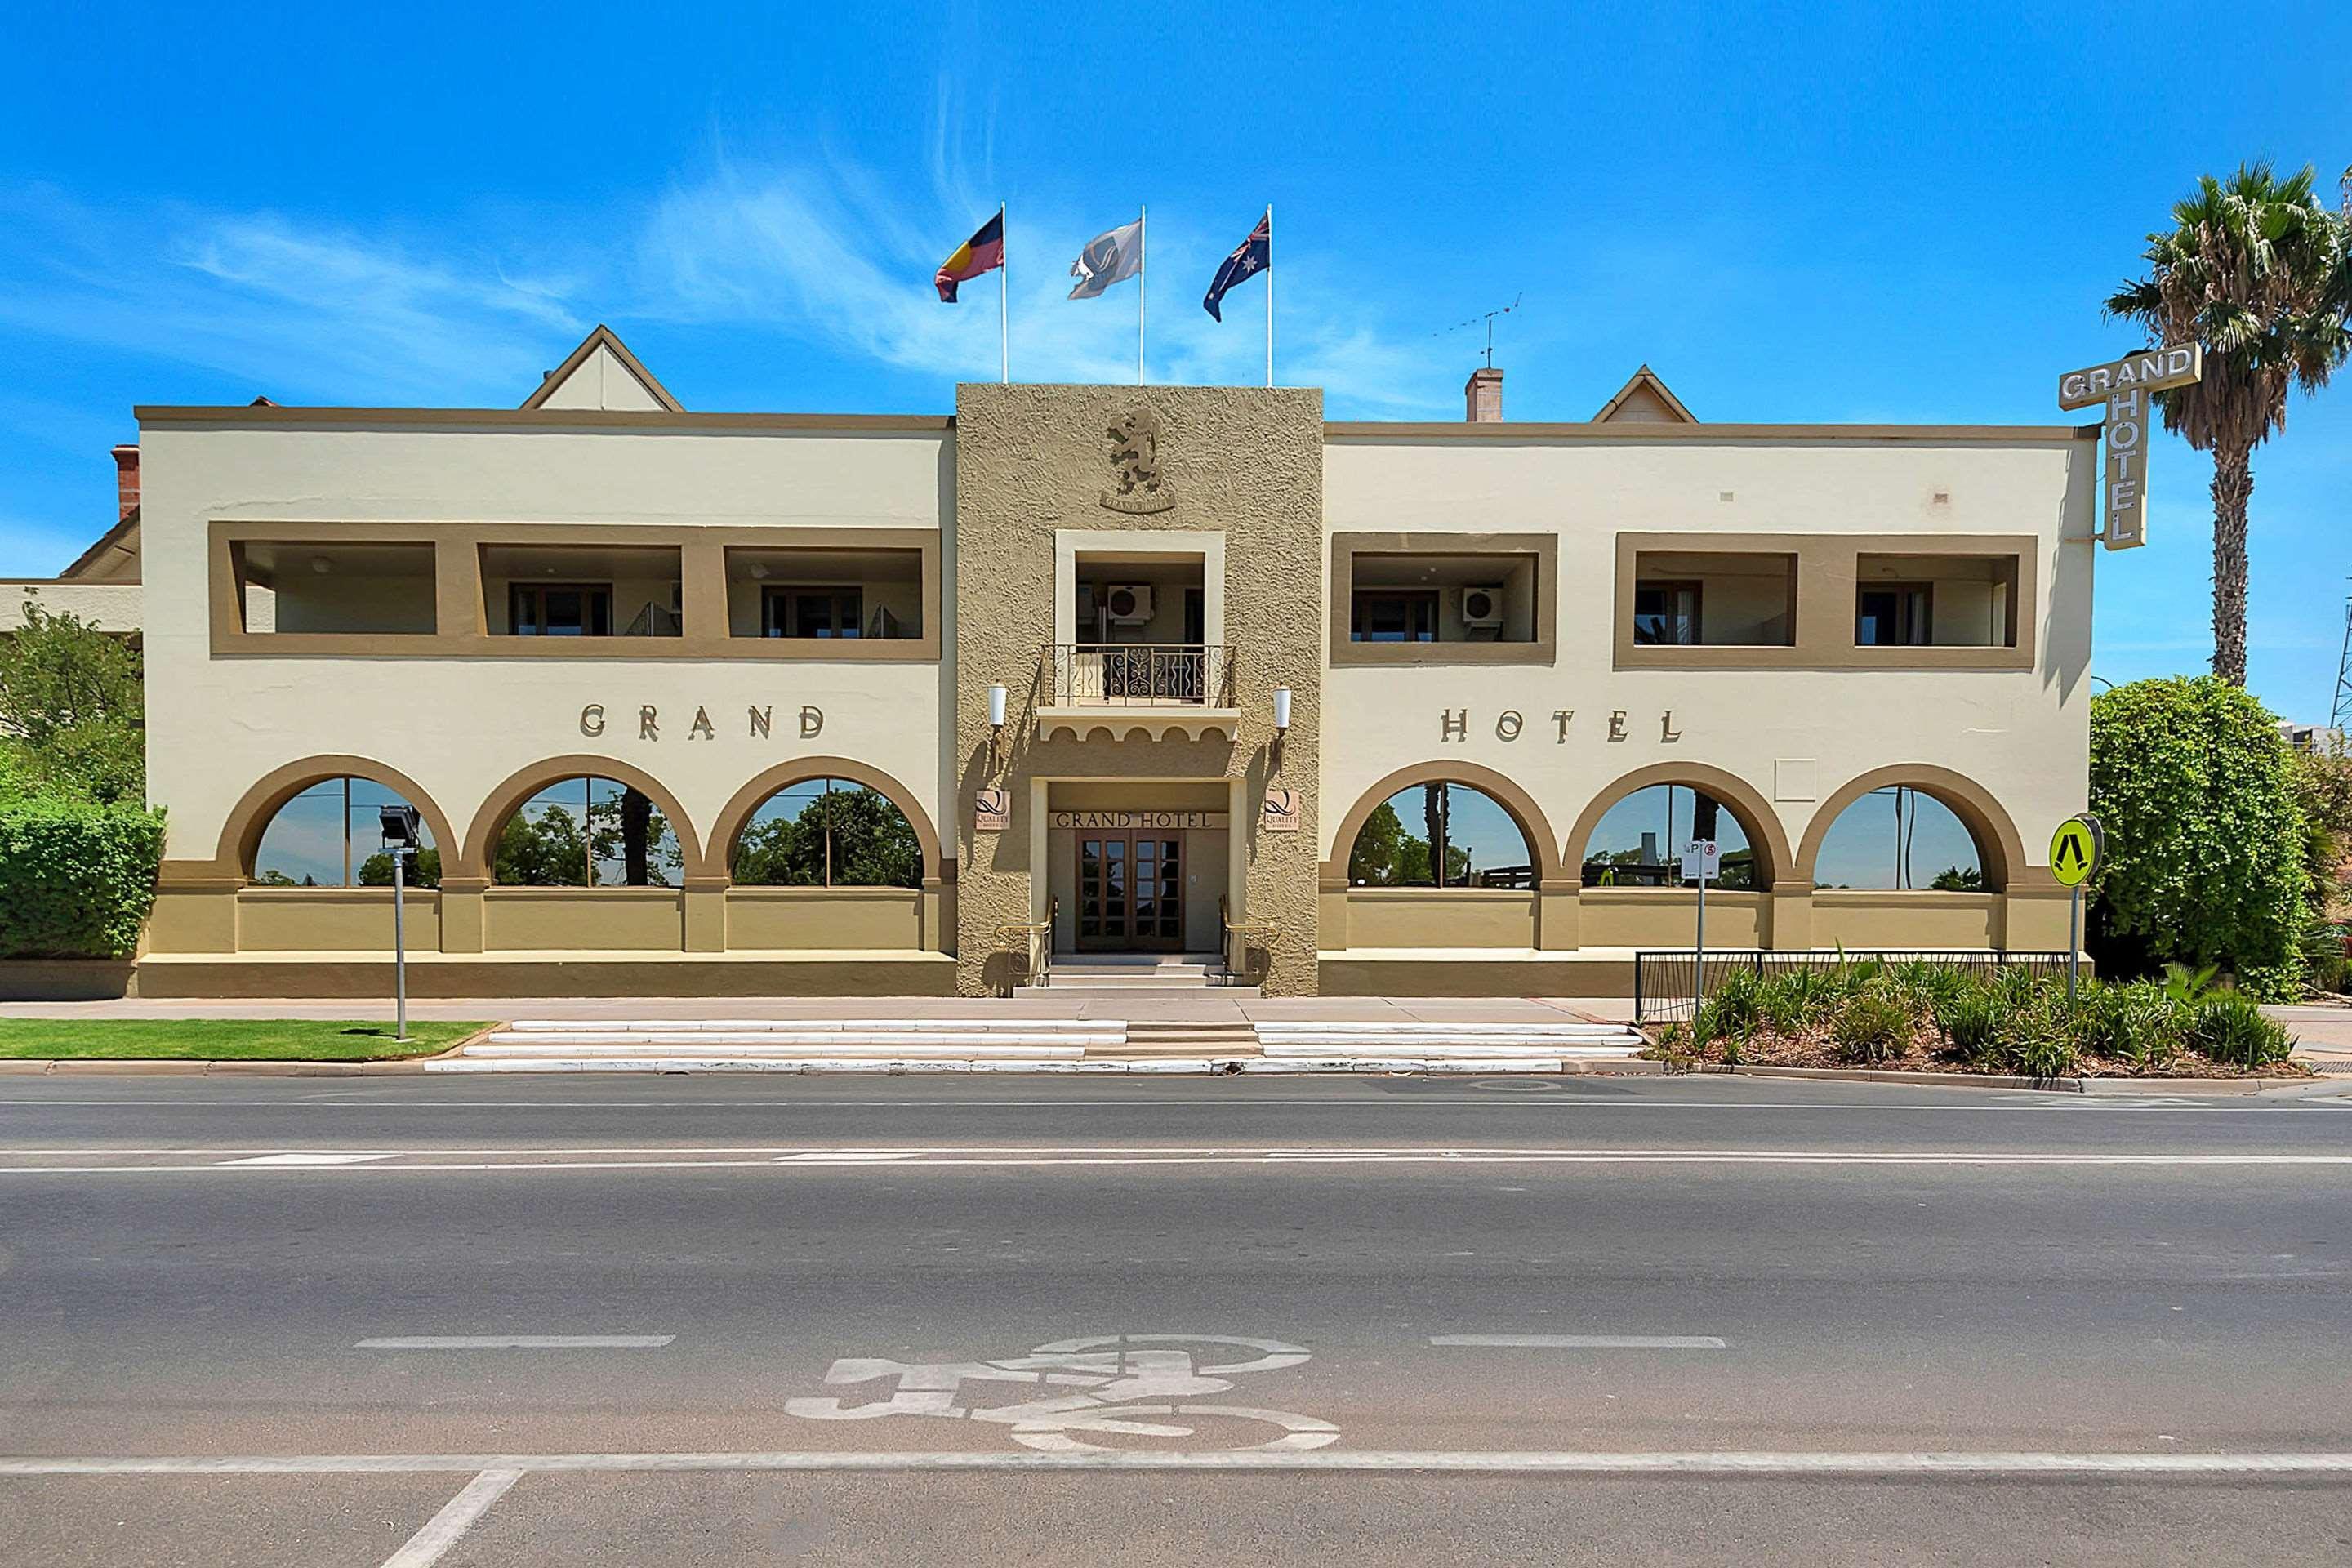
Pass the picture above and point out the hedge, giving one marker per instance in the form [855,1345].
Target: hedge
[75,878]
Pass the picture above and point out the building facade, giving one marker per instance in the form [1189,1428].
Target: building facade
[702,702]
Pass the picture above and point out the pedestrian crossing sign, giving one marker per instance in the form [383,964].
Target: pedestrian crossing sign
[2075,850]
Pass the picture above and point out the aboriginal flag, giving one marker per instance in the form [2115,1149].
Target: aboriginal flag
[1251,257]
[983,252]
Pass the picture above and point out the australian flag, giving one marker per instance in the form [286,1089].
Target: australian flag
[1251,257]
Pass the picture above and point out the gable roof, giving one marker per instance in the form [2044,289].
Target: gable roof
[106,558]
[1645,399]
[600,353]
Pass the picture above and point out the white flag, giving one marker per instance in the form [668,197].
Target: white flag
[1112,256]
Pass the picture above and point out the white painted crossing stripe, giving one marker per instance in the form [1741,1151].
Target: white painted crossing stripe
[427,1162]
[310,1159]
[457,1515]
[1698,1462]
[1580,1342]
[517,1342]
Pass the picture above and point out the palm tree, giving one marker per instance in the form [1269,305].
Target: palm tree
[2254,267]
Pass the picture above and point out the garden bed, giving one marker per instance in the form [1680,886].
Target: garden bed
[1933,1017]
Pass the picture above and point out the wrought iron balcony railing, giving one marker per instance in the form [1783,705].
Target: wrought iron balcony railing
[1139,675]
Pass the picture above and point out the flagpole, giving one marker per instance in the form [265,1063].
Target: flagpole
[1270,294]
[1003,299]
[1142,264]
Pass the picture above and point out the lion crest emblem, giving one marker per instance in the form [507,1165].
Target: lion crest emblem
[1135,456]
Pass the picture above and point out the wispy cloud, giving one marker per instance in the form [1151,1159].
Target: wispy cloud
[310,310]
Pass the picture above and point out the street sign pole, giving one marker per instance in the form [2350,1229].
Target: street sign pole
[1699,863]
[2076,851]
[399,948]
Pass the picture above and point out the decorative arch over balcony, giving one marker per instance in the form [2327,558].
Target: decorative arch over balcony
[491,817]
[1999,847]
[1765,837]
[240,836]
[1519,806]
[736,816]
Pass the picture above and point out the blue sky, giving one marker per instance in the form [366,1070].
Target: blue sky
[1818,213]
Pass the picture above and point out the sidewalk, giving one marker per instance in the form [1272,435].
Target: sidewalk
[1205,1006]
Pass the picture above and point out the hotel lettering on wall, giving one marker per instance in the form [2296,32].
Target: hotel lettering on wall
[759,722]
[1151,821]
[2125,387]
[1453,724]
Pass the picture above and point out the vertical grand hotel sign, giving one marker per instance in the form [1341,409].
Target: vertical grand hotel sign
[2124,385]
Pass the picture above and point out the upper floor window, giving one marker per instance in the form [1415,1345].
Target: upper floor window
[560,609]
[1665,611]
[825,612]
[1714,598]
[1389,614]
[1894,615]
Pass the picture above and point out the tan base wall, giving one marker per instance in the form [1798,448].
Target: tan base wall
[1667,917]
[333,919]
[651,920]
[1844,918]
[370,979]
[1440,916]
[818,918]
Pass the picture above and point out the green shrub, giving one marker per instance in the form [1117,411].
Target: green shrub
[1873,1026]
[1968,1019]
[1734,1002]
[2044,1055]
[2205,833]
[1795,1000]
[2231,1029]
[75,878]
[2135,1023]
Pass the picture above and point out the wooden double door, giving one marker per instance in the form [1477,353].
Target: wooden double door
[1130,891]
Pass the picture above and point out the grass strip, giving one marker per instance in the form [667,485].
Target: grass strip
[226,1040]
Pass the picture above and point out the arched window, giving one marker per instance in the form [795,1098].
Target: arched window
[330,836]
[588,833]
[1441,835]
[1638,843]
[1898,837]
[828,833]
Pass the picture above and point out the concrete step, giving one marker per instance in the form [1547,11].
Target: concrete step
[1400,1051]
[1223,1039]
[1422,1028]
[1144,988]
[937,1044]
[860,1026]
[550,1050]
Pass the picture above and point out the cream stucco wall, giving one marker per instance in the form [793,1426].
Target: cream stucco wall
[2022,734]
[460,726]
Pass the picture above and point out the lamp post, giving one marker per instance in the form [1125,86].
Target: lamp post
[400,837]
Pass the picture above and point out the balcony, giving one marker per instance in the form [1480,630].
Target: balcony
[1122,688]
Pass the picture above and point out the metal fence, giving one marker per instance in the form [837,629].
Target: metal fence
[1138,675]
[1666,980]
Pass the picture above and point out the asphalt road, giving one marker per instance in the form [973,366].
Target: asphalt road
[734,1321]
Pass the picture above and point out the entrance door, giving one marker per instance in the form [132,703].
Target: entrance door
[1130,892]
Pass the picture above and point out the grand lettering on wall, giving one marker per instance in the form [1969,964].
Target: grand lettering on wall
[759,722]
[1453,724]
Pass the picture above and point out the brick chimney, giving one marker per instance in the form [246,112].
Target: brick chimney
[126,481]
[1483,396]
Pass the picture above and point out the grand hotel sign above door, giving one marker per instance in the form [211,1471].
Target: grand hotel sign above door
[1150,821]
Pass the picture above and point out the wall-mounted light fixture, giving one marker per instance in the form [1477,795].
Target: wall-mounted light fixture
[995,722]
[1282,711]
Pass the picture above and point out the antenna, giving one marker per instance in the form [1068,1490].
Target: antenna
[2343,708]
[1488,319]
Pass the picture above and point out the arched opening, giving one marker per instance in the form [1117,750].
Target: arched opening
[828,833]
[587,832]
[1442,833]
[329,835]
[1639,840]
[1897,838]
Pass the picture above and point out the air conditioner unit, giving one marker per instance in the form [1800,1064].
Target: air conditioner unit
[1127,603]
[1482,606]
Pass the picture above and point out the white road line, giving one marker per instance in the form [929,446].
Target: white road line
[1700,1462]
[517,1342]
[1219,1099]
[457,1515]
[309,1158]
[1582,1342]
[1266,1159]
